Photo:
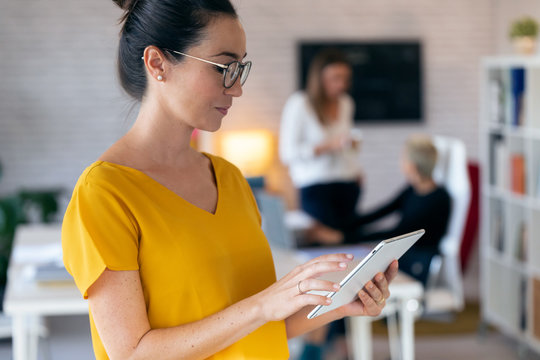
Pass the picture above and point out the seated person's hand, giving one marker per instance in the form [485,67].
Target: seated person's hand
[372,298]
[321,234]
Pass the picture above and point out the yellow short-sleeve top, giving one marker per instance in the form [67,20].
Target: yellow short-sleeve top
[192,263]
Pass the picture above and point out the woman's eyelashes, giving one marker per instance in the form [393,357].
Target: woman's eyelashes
[219,69]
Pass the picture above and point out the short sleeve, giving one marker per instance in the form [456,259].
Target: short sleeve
[98,232]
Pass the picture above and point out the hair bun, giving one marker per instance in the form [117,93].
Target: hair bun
[125,4]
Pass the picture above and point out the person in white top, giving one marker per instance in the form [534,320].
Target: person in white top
[321,148]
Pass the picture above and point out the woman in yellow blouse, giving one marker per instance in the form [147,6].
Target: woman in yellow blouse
[165,242]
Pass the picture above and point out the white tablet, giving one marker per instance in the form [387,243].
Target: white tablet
[376,261]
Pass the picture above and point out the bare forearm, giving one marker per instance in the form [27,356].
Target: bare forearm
[201,339]
[298,323]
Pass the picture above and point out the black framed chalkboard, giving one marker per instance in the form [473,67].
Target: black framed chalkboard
[387,77]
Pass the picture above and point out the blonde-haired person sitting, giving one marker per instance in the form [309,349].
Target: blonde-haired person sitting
[420,204]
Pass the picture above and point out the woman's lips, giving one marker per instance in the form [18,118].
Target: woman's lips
[223,110]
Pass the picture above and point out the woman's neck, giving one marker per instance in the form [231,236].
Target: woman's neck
[331,109]
[158,138]
[424,186]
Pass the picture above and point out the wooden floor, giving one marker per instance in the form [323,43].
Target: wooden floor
[492,346]
[70,339]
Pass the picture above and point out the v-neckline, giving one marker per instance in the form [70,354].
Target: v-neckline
[214,172]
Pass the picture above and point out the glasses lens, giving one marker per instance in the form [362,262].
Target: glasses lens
[231,74]
[245,72]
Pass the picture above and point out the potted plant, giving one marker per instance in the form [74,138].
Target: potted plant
[523,33]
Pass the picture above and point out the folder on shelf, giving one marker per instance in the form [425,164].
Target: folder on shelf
[500,164]
[517,168]
[517,76]
[498,228]
[538,184]
[521,242]
[497,92]
[536,308]
[523,305]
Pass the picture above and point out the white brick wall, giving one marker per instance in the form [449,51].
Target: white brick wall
[454,34]
[60,105]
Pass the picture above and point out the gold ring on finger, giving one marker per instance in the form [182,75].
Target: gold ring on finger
[298,286]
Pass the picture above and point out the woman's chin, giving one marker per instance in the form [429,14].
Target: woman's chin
[211,126]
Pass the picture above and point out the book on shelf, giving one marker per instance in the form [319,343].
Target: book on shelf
[517,171]
[496,95]
[517,76]
[538,183]
[52,272]
[521,242]
[497,227]
[536,308]
[523,304]
[500,164]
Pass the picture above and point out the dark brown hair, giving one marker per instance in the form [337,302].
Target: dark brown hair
[314,86]
[166,24]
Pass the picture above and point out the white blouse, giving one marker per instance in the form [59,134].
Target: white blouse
[301,132]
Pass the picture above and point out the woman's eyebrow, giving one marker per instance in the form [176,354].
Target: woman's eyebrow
[230,54]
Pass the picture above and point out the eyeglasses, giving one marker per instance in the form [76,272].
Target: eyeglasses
[231,71]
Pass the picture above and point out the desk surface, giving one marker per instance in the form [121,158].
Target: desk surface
[36,244]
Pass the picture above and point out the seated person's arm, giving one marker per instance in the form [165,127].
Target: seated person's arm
[392,206]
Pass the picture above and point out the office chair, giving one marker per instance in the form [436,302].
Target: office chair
[444,288]
[272,210]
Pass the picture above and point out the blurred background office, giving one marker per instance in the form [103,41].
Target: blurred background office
[61,105]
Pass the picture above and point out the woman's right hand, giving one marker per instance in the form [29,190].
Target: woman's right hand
[333,144]
[290,294]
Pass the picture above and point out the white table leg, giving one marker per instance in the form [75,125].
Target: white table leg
[407,329]
[360,338]
[25,337]
[33,337]
[20,337]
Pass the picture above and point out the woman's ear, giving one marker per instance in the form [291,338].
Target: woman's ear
[154,61]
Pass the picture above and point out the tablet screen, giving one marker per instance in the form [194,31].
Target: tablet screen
[376,261]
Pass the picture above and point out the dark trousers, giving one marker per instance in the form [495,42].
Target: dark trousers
[333,204]
[416,261]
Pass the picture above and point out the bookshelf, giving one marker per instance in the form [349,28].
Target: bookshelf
[510,232]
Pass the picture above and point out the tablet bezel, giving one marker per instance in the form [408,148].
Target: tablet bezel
[321,309]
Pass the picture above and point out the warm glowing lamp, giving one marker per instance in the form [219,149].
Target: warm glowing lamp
[250,150]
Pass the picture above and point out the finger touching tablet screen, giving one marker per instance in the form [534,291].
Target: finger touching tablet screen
[376,261]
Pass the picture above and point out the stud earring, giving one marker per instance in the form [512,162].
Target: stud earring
[159,77]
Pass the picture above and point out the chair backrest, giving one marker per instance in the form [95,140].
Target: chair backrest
[272,210]
[451,172]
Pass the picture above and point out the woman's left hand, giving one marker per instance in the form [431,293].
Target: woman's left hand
[372,298]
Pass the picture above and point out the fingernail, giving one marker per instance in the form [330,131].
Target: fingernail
[336,286]
[370,285]
[342,265]
[379,277]
[350,256]
[328,300]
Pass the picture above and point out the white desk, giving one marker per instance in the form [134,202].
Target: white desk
[404,300]
[25,300]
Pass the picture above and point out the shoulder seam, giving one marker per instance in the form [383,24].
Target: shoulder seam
[89,170]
